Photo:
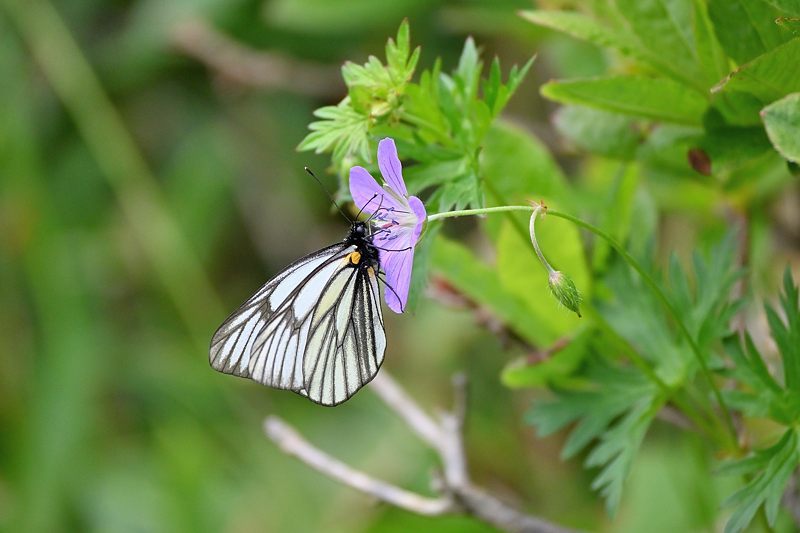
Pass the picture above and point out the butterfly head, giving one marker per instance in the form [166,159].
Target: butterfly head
[360,236]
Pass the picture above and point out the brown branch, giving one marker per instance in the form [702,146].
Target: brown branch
[254,68]
[292,443]
[457,493]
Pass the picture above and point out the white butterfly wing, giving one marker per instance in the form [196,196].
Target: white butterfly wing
[316,328]
[232,344]
[347,342]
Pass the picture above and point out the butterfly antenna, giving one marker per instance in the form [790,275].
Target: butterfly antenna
[328,193]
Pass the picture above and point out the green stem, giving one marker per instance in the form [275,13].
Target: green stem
[649,281]
[536,210]
[482,211]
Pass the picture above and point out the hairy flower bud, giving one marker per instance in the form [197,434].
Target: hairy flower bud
[565,291]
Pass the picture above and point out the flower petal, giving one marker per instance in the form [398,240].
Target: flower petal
[418,208]
[366,192]
[391,168]
[397,266]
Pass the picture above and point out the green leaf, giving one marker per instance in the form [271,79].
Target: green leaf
[342,130]
[663,25]
[522,274]
[769,470]
[653,98]
[782,122]
[599,132]
[710,53]
[790,7]
[478,282]
[787,332]
[767,78]
[517,167]
[495,92]
[468,72]
[746,28]
[587,29]
[400,61]
[616,407]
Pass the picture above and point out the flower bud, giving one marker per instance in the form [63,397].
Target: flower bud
[565,291]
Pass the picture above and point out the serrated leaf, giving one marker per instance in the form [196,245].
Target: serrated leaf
[769,471]
[787,332]
[653,98]
[343,131]
[782,122]
[468,71]
[616,408]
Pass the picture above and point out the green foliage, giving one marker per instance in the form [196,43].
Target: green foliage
[615,403]
[614,407]
[138,196]
[746,28]
[440,121]
[782,121]
[694,80]
[763,395]
[652,98]
[598,131]
[769,470]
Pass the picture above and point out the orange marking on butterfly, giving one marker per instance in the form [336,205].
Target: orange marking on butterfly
[354,258]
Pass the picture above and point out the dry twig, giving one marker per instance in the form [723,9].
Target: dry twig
[444,433]
[254,68]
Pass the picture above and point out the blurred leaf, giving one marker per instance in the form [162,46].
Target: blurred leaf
[599,132]
[782,121]
[516,167]
[746,28]
[667,25]
[730,148]
[789,6]
[759,394]
[522,274]
[496,93]
[558,363]
[768,470]
[786,332]
[654,98]
[339,17]
[616,407]
[767,78]
[588,29]
[710,54]
[479,283]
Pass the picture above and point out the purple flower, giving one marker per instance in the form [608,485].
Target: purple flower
[397,216]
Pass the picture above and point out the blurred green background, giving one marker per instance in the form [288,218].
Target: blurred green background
[149,183]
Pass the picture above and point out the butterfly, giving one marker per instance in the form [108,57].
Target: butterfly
[316,328]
